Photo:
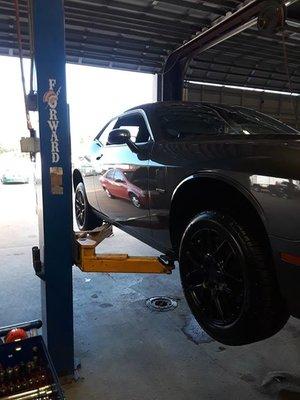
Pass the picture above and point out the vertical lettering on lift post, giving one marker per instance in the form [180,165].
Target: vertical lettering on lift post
[56,173]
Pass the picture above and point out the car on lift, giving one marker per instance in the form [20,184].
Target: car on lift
[210,169]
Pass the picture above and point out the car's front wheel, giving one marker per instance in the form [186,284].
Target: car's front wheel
[229,281]
[135,200]
[85,217]
[108,194]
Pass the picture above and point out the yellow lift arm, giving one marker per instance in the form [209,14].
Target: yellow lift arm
[88,260]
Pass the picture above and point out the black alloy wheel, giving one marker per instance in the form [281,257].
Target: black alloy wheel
[229,285]
[217,283]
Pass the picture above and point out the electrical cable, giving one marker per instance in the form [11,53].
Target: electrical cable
[31,41]
[20,46]
[21,58]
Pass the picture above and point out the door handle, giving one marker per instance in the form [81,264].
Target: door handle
[99,157]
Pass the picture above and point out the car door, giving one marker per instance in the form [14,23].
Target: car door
[94,154]
[124,208]
[91,160]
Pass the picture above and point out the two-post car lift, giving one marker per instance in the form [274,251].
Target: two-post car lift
[59,249]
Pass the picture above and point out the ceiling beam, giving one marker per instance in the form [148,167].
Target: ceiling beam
[239,66]
[220,10]
[129,16]
[141,9]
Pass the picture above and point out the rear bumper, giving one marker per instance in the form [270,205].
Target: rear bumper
[288,273]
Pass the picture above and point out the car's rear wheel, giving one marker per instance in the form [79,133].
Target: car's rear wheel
[85,216]
[229,280]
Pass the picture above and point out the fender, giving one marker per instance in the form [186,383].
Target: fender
[218,176]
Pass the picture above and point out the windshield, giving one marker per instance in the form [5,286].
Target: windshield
[188,121]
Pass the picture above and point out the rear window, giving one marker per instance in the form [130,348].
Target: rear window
[186,121]
[250,122]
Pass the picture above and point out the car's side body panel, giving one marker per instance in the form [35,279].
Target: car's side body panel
[254,167]
[252,164]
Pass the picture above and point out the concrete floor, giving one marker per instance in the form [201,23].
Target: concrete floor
[128,352]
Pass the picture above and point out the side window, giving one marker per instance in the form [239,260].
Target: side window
[119,176]
[103,136]
[179,123]
[136,125]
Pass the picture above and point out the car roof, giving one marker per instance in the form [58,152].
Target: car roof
[150,107]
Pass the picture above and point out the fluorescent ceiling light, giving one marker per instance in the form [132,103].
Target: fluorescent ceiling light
[250,89]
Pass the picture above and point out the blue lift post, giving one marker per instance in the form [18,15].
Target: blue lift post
[55,195]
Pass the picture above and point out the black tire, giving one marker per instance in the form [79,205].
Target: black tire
[86,218]
[229,280]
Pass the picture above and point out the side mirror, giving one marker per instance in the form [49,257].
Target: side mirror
[122,136]
[119,136]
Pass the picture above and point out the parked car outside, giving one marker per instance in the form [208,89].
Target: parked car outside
[208,170]
[286,189]
[14,175]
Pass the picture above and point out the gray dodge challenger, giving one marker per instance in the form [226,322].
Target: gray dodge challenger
[215,187]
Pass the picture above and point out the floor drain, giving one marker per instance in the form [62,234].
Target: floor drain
[161,303]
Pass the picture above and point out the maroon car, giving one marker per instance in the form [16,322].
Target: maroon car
[117,184]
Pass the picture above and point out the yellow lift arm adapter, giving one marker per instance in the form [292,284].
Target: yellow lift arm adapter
[88,260]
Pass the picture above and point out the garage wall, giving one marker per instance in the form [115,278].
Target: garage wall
[279,106]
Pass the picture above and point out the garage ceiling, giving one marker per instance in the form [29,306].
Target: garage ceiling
[140,34]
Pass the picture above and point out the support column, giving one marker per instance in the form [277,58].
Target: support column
[157,87]
[55,194]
